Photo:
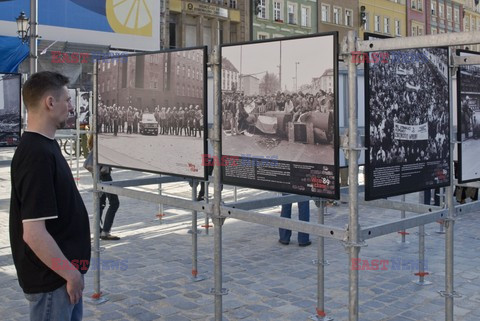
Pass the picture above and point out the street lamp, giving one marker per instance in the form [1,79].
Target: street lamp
[23,27]
[296,79]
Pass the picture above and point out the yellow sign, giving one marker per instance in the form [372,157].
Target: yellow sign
[206,9]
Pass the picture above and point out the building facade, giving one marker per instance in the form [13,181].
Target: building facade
[340,16]
[444,16]
[471,20]
[416,17]
[384,17]
[250,85]
[230,76]
[173,79]
[283,18]
[190,23]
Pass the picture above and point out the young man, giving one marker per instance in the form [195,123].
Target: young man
[49,228]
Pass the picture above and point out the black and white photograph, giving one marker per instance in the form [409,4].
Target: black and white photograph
[407,118]
[279,115]
[151,112]
[468,106]
[10,109]
[71,122]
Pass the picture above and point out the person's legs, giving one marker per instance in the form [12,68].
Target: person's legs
[113,205]
[103,203]
[303,215]
[54,306]
[285,234]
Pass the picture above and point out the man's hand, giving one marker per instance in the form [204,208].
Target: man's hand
[75,286]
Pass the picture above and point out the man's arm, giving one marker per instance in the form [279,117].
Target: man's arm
[44,246]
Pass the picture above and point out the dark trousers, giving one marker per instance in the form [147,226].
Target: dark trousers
[303,215]
[113,205]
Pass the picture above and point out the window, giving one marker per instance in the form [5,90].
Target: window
[325,13]
[337,15]
[449,13]
[414,31]
[440,10]
[233,4]
[262,36]
[262,9]
[377,24]
[414,4]
[277,11]
[420,5]
[292,14]
[434,8]
[398,30]
[456,15]
[305,16]
[434,31]
[420,31]
[348,17]
[386,25]
[466,23]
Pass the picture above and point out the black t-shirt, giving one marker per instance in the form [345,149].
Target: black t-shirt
[43,188]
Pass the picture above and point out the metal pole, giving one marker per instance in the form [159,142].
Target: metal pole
[194,232]
[402,216]
[449,293]
[353,226]
[234,193]
[207,218]
[217,194]
[77,136]
[96,208]
[421,250]
[321,262]
[33,36]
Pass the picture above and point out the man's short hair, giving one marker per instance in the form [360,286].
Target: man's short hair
[38,84]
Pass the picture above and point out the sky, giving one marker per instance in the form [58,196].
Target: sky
[314,54]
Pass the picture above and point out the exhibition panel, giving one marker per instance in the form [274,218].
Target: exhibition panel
[151,112]
[10,109]
[468,109]
[407,121]
[280,115]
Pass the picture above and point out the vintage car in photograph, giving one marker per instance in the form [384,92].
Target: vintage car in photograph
[148,125]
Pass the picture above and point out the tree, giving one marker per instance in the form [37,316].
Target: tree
[269,84]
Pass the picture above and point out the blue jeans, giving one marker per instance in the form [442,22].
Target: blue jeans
[303,215]
[54,306]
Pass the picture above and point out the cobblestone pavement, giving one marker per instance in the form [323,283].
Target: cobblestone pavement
[266,280]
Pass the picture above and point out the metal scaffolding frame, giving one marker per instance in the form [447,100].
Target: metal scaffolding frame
[354,236]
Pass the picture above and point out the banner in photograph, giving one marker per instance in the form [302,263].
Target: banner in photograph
[411,132]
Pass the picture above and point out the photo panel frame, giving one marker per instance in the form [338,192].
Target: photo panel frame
[152,112]
[10,109]
[407,121]
[468,120]
[280,115]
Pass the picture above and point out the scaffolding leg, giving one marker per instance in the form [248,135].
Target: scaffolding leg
[321,262]
[207,225]
[194,231]
[161,214]
[403,233]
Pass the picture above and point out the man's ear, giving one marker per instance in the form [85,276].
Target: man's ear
[49,100]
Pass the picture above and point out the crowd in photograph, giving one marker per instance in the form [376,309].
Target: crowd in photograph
[179,121]
[240,112]
[412,95]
